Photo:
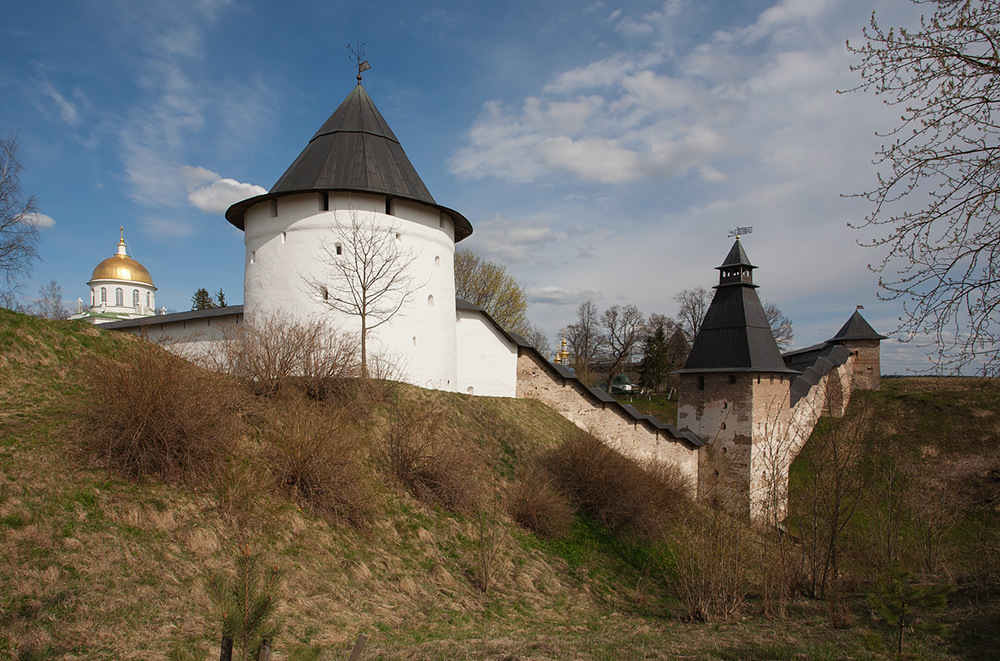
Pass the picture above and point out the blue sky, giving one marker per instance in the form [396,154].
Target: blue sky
[599,149]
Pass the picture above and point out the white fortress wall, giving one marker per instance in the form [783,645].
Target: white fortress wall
[487,360]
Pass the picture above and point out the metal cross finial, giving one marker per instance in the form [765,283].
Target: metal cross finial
[358,54]
[122,234]
[740,231]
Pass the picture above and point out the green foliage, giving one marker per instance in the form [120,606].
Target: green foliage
[202,300]
[245,602]
[655,363]
[489,285]
[901,603]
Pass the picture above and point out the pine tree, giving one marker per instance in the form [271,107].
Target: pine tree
[246,603]
[903,604]
[654,366]
[202,300]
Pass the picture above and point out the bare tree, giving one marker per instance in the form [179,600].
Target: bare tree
[49,304]
[936,202]
[838,483]
[585,339]
[488,284]
[367,276]
[624,329]
[536,337]
[781,325]
[18,234]
[693,306]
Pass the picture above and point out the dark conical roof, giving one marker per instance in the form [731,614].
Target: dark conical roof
[856,328]
[736,257]
[735,335]
[354,150]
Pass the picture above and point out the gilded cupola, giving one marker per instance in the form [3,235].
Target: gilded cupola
[122,267]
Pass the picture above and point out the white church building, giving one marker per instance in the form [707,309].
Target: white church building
[120,288]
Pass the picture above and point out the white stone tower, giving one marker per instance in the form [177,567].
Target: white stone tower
[354,172]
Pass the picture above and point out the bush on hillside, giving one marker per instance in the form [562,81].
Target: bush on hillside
[152,413]
[535,503]
[624,494]
[274,352]
[715,563]
[316,457]
[420,451]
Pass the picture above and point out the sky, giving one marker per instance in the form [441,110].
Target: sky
[601,150]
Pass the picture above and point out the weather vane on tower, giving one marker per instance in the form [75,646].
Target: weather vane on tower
[739,231]
[358,54]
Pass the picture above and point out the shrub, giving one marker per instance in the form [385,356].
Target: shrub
[535,503]
[419,450]
[152,413]
[274,352]
[624,494]
[713,565]
[314,456]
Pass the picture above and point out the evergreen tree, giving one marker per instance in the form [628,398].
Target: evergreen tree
[902,604]
[655,364]
[202,300]
[221,298]
[677,350]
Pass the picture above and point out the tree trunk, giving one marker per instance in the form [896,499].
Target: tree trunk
[226,654]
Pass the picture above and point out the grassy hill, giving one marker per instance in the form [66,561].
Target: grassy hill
[388,509]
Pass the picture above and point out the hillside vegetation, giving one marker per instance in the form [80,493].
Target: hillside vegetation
[133,484]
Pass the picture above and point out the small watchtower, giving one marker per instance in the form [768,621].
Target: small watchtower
[864,343]
[734,391]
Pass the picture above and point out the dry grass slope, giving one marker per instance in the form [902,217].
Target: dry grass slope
[105,558]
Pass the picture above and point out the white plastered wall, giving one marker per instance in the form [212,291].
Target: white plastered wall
[487,361]
[284,252]
[193,339]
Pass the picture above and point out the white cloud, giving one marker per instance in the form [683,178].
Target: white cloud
[39,220]
[514,242]
[211,193]
[601,73]
[591,159]
[66,109]
[553,295]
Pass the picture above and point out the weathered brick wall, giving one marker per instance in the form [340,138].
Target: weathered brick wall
[607,422]
[718,409]
[867,363]
[751,432]
[782,437]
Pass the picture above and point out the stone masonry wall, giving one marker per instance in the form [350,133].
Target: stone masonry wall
[607,422]
[867,363]
[718,409]
[751,433]
[782,438]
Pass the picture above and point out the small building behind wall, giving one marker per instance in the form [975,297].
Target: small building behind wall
[192,335]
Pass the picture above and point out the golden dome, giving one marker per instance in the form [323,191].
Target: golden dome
[122,267]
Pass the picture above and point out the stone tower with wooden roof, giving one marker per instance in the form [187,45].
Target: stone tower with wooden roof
[864,343]
[734,391]
[354,173]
